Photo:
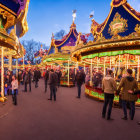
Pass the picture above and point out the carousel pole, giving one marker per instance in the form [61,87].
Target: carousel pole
[91,72]
[138,72]
[2,75]
[97,64]
[110,63]
[104,67]
[84,68]
[119,64]
[16,67]
[10,62]
[68,73]
[127,61]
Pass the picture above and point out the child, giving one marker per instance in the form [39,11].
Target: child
[14,89]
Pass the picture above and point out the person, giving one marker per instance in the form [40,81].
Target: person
[30,80]
[53,81]
[26,80]
[36,77]
[80,79]
[46,78]
[19,77]
[14,84]
[128,85]
[109,87]
[97,79]
[7,85]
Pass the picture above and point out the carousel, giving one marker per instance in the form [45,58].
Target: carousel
[58,56]
[13,25]
[116,46]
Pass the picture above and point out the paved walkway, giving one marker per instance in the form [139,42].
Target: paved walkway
[69,118]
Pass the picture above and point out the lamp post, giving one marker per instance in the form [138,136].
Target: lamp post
[10,62]
[16,67]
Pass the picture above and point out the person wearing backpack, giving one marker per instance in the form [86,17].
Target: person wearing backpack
[53,82]
[80,79]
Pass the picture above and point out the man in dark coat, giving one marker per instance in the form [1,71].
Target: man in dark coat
[80,79]
[53,82]
[36,77]
[30,80]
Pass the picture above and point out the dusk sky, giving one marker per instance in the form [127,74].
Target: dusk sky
[50,16]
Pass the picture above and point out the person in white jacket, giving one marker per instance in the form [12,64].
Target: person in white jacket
[14,84]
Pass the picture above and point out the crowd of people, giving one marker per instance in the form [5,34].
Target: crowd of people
[127,89]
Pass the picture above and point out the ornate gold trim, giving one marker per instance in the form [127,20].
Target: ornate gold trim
[105,22]
[118,25]
[7,9]
[121,3]
[131,13]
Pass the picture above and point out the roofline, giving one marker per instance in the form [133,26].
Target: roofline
[124,5]
[71,30]
[131,12]
[7,9]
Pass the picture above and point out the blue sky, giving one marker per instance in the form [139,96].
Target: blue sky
[49,16]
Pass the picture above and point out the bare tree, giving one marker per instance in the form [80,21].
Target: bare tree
[31,48]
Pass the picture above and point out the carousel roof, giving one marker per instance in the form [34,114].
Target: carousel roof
[17,12]
[68,40]
[119,20]
[13,6]
[120,31]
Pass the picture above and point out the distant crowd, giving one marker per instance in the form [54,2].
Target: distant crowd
[127,88]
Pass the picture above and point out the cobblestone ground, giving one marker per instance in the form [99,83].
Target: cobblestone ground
[69,118]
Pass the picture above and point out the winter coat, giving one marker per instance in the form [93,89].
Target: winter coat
[53,79]
[36,75]
[126,84]
[46,76]
[80,78]
[26,78]
[97,79]
[14,84]
[109,85]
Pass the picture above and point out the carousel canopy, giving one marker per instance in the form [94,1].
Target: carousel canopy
[120,31]
[66,43]
[17,12]
[119,20]
[13,25]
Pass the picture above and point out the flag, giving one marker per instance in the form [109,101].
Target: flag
[91,14]
[74,14]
